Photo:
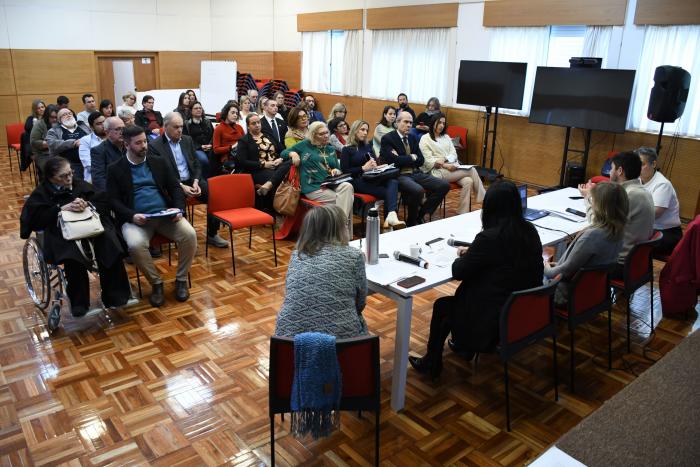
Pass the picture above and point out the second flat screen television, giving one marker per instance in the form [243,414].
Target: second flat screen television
[592,99]
[495,84]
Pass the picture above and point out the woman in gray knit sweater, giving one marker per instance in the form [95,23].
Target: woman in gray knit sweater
[326,286]
[597,245]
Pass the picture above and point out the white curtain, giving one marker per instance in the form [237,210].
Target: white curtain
[351,78]
[667,45]
[412,61]
[528,45]
[596,42]
[316,59]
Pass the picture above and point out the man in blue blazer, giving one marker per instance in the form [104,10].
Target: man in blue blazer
[400,148]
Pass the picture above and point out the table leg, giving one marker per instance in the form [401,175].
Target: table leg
[401,347]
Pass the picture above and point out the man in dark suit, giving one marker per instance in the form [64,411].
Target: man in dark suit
[273,128]
[138,186]
[107,152]
[400,148]
[178,150]
[147,118]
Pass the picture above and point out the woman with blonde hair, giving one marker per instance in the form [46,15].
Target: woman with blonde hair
[326,285]
[245,109]
[337,111]
[441,162]
[356,159]
[316,160]
[597,245]
[128,102]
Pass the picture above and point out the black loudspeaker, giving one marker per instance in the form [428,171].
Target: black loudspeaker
[668,96]
[575,175]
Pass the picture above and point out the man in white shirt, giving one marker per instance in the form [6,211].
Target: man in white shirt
[96,121]
[90,107]
[667,216]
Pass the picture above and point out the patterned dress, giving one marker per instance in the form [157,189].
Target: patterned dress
[325,293]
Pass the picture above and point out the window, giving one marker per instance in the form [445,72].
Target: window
[565,42]
[331,62]
[337,40]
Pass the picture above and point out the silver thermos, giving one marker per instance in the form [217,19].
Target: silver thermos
[372,236]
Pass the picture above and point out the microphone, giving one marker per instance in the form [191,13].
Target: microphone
[456,243]
[398,256]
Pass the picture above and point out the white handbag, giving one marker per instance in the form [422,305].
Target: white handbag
[80,225]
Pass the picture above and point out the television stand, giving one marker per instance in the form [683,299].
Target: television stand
[567,150]
[489,173]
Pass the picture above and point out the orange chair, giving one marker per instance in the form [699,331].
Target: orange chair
[231,201]
[14,136]
[589,295]
[363,203]
[454,131]
[526,318]
[358,358]
[638,270]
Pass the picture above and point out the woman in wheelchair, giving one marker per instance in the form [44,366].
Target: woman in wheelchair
[59,192]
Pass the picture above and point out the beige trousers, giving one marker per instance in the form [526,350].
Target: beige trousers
[342,196]
[138,237]
[467,179]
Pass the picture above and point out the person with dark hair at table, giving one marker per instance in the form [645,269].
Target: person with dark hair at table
[258,156]
[60,191]
[139,185]
[178,150]
[147,118]
[400,148]
[356,159]
[505,256]
[326,285]
[667,214]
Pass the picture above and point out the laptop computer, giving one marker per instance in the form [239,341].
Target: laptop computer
[528,213]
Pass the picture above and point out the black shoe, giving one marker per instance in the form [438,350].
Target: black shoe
[468,355]
[182,293]
[78,311]
[155,252]
[427,365]
[157,298]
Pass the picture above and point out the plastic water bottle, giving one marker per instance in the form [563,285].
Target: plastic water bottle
[372,236]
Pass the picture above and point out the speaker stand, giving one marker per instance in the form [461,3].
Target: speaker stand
[658,141]
[489,173]
[567,150]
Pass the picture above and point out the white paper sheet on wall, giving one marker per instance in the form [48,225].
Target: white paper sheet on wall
[217,84]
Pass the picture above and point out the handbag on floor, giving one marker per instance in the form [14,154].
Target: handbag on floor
[287,195]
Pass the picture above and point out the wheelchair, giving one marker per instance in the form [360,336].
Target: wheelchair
[46,283]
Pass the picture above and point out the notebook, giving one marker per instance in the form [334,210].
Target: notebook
[528,213]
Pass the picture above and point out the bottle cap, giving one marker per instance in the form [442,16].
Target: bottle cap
[373,212]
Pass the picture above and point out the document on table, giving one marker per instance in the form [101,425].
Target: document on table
[464,166]
[384,273]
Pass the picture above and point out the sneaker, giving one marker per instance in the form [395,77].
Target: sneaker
[217,241]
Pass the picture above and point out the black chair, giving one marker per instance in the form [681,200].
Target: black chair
[359,364]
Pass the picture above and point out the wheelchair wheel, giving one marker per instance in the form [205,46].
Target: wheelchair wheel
[54,317]
[36,274]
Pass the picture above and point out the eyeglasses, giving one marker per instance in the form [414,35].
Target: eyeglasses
[303,116]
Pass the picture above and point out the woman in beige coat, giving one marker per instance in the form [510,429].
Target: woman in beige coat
[441,162]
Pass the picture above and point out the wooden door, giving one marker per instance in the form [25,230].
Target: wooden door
[145,76]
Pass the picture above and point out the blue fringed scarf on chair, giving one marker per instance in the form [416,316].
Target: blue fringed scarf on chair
[316,387]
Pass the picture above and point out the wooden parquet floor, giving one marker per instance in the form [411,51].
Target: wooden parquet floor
[186,384]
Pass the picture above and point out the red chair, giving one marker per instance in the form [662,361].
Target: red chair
[526,318]
[14,132]
[358,358]
[589,295]
[460,131]
[363,203]
[231,201]
[638,270]
[190,203]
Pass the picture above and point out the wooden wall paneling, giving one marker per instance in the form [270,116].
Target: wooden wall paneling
[441,15]
[146,74]
[48,71]
[8,114]
[287,66]
[328,20]
[181,70]
[105,75]
[548,12]
[259,64]
[667,12]
[7,75]
[325,103]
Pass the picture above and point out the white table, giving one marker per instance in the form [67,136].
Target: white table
[382,278]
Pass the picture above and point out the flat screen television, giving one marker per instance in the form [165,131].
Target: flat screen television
[593,99]
[495,84]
